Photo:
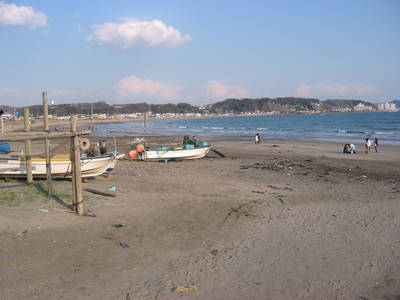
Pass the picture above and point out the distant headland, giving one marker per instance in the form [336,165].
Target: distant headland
[232,106]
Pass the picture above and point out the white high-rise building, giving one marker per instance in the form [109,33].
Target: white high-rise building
[387,107]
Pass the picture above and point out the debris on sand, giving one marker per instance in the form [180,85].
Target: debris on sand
[99,192]
[124,245]
[89,214]
[184,289]
[214,252]
[21,233]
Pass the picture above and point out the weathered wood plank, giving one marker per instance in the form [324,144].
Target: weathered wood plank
[47,143]
[22,136]
[99,192]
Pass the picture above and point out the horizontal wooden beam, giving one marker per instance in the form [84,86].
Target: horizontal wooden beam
[23,136]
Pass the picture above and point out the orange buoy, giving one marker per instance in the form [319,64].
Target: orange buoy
[132,154]
[139,148]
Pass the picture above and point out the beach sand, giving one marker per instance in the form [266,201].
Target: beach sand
[279,220]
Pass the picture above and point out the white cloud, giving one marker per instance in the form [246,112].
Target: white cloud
[220,90]
[346,90]
[133,34]
[365,90]
[13,15]
[132,86]
[303,90]
[335,90]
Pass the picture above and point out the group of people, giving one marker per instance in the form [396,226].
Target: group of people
[189,141]
[368,145]
[351,148]
[97,149]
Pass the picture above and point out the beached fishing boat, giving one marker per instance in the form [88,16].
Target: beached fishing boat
[61,166]
[175,153]
[112,163]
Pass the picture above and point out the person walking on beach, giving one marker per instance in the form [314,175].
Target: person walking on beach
[257,138]
[368,145]
[376,145]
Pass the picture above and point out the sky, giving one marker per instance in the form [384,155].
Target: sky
[199,52]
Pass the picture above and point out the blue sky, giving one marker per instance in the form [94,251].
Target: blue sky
[199,52]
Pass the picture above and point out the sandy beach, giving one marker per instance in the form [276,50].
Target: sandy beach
[279,220]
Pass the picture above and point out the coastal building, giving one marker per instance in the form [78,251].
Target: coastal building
[99,116]
[341,109]
[118,116]
[363,107]
[387,107]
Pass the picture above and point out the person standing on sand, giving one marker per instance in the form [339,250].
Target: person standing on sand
[352,149]
[376,145]
[368,145]
[257,138]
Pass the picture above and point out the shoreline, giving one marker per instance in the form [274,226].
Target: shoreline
[12,126]
[225,130]
[133,134]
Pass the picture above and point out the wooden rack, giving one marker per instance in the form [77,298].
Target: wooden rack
[46,135]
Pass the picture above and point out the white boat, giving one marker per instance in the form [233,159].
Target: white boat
[95,166]
[112,163]
[176,153]
[61,166]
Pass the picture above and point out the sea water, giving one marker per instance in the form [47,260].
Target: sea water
[346,127]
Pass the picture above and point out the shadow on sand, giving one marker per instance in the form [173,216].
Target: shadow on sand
[39,187]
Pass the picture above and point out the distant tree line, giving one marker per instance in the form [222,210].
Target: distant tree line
[282,105]
[111,109]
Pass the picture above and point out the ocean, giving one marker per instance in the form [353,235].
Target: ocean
[344,127]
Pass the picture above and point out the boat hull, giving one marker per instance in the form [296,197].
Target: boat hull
[61,166]
[159,155]
[112,163]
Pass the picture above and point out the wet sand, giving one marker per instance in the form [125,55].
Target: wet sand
[280,220]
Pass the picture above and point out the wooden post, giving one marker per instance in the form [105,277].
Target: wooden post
[28,145]
[47,143]
[115,145]
[76,169]
[72,155]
